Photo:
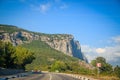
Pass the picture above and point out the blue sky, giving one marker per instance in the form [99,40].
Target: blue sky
[94,23]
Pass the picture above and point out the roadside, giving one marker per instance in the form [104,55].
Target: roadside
[4,71]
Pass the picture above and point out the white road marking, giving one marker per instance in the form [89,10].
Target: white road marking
[50,77]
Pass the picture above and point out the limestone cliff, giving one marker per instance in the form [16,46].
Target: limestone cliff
[61,42]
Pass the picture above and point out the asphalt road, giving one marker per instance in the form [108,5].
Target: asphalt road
[46,76]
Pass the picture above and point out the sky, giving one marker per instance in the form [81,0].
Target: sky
[94,23]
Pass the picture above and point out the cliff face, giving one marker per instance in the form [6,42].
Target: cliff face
[61,42]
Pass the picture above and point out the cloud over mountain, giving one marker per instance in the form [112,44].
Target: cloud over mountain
[111,53]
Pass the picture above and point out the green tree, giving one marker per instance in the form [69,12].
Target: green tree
[59,66]
[117,71]
[101,60]
[6,54]
[94,62]
[23,57]
[74,66]
[9,59]
[105,68]
[2,53]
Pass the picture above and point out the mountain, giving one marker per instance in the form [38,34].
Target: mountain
[61,42]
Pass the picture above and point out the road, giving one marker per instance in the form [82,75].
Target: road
[46,76]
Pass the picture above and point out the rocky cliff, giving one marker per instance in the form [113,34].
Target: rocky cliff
[61,42]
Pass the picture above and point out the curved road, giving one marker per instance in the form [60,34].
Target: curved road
[46,76]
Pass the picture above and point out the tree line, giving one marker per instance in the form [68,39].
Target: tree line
[106,68]
[70,67]
[14,57]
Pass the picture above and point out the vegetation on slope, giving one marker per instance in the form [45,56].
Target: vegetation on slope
[10,28]
[45,55]
[14,57]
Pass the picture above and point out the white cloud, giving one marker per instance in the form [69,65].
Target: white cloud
[87,48]
[90,52]
[111,53]
[48,5]
[100,50]
[44,7]
[116,39]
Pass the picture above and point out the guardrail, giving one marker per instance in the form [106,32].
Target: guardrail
[77,76]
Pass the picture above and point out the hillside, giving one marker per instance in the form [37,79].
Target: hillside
[45,55]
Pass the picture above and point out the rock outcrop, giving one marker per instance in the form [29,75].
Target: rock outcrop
[61,42]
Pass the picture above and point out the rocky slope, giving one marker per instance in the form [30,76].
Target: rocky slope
[61,42]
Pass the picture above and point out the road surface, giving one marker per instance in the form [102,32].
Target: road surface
[46,76]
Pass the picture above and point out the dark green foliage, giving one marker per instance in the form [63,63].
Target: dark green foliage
[9,59]
[6,55]
[94,62]
[14,57]
[70,67]
[59,66]
[2,53]
[79,69]
[117,71]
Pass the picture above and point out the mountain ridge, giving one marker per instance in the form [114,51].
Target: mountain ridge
[61,42]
